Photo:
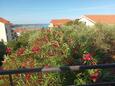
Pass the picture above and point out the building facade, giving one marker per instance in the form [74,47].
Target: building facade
[6,32]
[91,20]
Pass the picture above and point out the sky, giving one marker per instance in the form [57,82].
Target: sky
[43,11]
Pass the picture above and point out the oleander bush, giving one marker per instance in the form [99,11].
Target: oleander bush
[65,46]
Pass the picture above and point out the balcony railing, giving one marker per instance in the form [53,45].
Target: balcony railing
[61,69]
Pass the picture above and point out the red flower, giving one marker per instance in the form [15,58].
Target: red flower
[35,49]
[8,50]
[27,75]
[94,76]
[87,57]
[20,51]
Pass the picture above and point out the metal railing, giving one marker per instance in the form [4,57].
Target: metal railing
[60,69]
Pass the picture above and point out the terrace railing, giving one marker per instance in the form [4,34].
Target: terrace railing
[61,69]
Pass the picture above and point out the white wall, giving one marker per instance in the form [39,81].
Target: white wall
[5,32]
[87,21]
[50,25]
[3,35]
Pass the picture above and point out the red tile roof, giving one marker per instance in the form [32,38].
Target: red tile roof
[60,21]
[105,19]
[4,21]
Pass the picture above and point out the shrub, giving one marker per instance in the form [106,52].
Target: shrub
[69,45]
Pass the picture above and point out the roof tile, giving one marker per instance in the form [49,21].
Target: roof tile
[4,21]
[60,21]
[105,19]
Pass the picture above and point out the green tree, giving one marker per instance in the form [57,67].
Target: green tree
[2,52]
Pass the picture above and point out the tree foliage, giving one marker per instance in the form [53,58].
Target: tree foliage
[2,52]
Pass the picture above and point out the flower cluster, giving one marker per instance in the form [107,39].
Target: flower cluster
[35,50]
[20,51]
[95,76]
[27,76]
[87,57]
[8,50]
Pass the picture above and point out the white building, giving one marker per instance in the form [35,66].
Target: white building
[6,32]
[91,20]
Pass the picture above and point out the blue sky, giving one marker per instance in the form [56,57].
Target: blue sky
[42,11]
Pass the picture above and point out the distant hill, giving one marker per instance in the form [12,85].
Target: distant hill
[30,26]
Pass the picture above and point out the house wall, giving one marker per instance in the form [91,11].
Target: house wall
[5,32]
[86,21]
[3,35]
[51,25]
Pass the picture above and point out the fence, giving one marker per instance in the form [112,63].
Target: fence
[61,69]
